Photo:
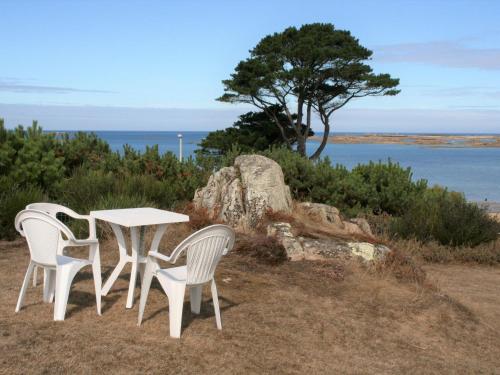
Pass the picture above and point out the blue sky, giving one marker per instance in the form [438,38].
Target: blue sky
[156,65]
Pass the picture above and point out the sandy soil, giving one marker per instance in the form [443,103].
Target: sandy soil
[424,140]
[294,318]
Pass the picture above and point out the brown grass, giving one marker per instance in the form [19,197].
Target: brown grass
[295,318]
[264,249]
[432,252]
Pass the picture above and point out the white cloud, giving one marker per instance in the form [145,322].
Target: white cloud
[19,86]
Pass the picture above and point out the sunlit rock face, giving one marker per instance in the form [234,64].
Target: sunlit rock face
[242,194]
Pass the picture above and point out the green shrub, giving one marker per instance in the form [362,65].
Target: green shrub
[28,157]
[447,218]
[12,200]
[389,187]
[371,188]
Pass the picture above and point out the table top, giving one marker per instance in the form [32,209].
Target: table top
[135,217]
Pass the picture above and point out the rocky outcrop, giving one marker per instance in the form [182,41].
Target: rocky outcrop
[300,248]
[322,213]
[284,235]
[329,216]
[241,195]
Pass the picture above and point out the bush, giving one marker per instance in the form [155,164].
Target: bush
[447,218]
[371,188]
[12,200]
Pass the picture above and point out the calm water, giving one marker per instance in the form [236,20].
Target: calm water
[475,171]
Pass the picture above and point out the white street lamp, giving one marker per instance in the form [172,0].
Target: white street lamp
[180,146]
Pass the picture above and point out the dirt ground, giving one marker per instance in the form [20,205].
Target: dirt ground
[294,318]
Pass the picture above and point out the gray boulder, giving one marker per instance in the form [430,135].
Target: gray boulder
[300,248]
[240,195]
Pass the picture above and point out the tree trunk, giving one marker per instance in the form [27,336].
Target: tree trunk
[301,145]
[273,117]
[324,141]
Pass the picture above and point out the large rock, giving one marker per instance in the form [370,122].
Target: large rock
[322,213]
[283,233]
[300,248]
[240,195]
[330,216]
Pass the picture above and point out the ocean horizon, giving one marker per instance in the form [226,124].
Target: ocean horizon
[473,171]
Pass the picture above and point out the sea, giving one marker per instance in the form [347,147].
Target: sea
[473,171]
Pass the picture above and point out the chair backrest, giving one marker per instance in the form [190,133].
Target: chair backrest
[51,208]
[43,233]
[204,250]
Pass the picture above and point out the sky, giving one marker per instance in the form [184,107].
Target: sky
[158,65]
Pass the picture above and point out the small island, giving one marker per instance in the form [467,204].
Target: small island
[434,140]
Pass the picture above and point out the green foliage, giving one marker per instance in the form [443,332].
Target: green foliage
[81,172]
[374,187]
[391,188]
[447,218]
[315,67]
[28,157]
[81,148]
[254,131]
[12,200]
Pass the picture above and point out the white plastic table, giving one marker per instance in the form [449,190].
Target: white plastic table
[137,219]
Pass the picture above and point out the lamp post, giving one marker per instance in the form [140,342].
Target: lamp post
[180,146]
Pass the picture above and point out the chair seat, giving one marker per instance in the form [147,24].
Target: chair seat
[63,260]
[177,274]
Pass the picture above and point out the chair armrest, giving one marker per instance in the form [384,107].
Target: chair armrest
[90,241]
[157,255]
[92,226]
[75,215]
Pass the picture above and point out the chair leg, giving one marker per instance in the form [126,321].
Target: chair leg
[146,285]
[175,304]
[52,286]
[26,281]
[35,276]
[195,293]
[215,299]
[96,270]
[64,279]
[49,281]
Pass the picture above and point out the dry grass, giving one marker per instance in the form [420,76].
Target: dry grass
[432,252]
[295,318]
[263,248]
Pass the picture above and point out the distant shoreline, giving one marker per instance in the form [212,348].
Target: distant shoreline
[433,140]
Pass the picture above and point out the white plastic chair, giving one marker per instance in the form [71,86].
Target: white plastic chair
[53,209]
[47,238]
[204,251]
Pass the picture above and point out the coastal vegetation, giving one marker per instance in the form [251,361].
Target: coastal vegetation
[81,171]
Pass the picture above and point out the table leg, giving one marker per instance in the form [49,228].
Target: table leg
[135,237]
[122,248]
[160,230]
[142,265]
